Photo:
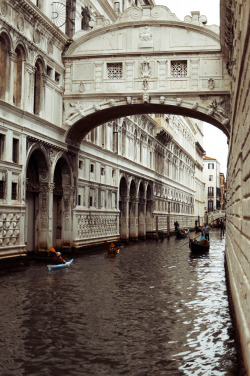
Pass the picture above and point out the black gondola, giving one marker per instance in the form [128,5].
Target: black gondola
[199,246]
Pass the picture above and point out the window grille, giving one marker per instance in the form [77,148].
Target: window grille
[179,68]
[114,71]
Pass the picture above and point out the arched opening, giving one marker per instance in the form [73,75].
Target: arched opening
[149,210]
[38,88]
[133,212]
[37,202]
[18,76]
[4,66]
[61,234]
[141,213]
[123,207]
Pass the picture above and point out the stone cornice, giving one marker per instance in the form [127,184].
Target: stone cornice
[35,12]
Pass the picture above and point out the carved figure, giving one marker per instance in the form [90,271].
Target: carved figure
[146,34]
[145,98]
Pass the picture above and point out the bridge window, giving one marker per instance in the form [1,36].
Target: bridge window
[179,68]
[210,177]
[114,71]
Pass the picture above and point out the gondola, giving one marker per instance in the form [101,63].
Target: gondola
[199,246]
[113,253]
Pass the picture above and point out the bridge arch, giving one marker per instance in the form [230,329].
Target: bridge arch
[148,61]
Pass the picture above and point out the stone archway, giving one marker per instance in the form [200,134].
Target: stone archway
[37,198]
[124,210]
[62,205]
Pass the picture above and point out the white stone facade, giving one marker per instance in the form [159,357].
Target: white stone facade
[211,175]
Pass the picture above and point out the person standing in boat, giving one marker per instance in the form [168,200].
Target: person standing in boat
[176,226]
[205,231]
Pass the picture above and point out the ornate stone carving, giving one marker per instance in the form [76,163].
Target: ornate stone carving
[194,105]
[20,22]
[78,108]
[162,100]
[112,102]
[9,228]
[164,137]
[36,36]
[129,100]
[145,98]
[97,107]
[146,37]
[145,84]
[81,87]
[178,101]
[4,8]
[145,69]
[50,47]
[211,83]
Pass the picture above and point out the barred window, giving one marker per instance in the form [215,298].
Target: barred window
[1,189]
[179,68]
[114,71]
[14,191]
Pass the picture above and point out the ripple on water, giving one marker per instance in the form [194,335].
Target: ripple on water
[155,310]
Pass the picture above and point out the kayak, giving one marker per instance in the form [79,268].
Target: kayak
[61,266]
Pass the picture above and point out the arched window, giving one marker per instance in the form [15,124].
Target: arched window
[18,76]
[4,66]
[38,88]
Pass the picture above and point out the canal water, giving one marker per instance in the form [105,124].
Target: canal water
[154,310]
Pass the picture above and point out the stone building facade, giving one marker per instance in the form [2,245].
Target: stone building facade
[235,40]
[212,183]
[140,173]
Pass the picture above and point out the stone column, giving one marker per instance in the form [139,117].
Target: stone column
[124,218]
[29,87]
[45,216]
[142,219]
[11,78]
[133,219]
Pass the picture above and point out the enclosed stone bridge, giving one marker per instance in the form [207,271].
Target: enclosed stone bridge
[148,61]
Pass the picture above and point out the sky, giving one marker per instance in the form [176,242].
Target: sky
[214,142]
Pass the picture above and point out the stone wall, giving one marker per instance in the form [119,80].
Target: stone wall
[235,26]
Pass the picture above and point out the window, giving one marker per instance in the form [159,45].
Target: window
[114,71]
[49,71]
[1,189]
[102,171]
[179,68]
[210,166]
[38,88]
[211,177]
[5,66]
[210,191]
[2,142]
[91,167]
[15,150]
[79,200]
[57,77]
[18,63]
[14,191]
[90,201]
[80,165]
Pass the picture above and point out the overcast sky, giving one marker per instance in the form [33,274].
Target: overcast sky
[214,142]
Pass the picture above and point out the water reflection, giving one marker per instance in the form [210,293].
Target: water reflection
[153,310]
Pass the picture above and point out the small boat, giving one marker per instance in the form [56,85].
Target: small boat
[182,234]
[67,264]
[198,246]
[113,254]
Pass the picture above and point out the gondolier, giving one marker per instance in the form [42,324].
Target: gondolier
[205,231]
